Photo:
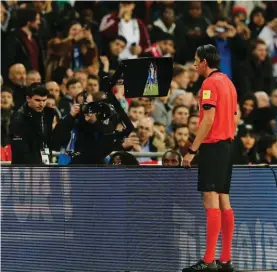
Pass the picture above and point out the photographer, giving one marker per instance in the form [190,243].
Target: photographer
[31,128]
[87,133]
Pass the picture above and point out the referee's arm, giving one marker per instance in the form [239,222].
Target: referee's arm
[204,127]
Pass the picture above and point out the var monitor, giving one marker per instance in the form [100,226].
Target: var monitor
[149,77]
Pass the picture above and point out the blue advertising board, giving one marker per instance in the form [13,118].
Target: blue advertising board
[127,219]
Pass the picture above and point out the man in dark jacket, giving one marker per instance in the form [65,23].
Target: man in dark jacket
[22,46]
[259,69]
[31,128]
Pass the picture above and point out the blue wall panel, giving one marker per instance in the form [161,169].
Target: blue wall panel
[135,219]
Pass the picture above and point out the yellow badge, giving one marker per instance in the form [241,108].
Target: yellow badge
[206,94]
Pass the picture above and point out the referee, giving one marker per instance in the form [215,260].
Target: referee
[218,104]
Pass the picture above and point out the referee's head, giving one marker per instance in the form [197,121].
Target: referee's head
[206,59]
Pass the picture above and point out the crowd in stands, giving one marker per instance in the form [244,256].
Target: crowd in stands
[70,46]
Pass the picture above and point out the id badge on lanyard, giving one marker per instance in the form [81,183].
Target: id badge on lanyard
[45,156]
[45,150]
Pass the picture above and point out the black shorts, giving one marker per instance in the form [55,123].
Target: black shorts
[215,167]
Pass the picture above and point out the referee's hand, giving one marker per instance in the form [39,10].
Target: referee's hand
[187,160]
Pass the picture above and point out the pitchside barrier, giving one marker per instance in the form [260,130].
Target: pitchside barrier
[145,219]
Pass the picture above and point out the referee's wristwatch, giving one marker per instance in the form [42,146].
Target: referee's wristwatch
[190,151]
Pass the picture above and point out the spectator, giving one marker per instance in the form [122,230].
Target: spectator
[22,46]
[171,158]
[74,87]
[136,112]
[161,111]
[167,24]
[193,123]
[259,69]
[33,76]
[115,48]
[195,28]
[51,101]
[7,105]
[194,80]
[76,51]
[181,76]
[123,23]
[181,97]
[233,51]
[54,89]
[181,136]
[267,147]
[264,116]
[145,134]
[248,106]
[93,84]
[17,82]
[148,104]
[5,20]
[180,116]
[244,146]
[269,36]
[273,101]
[31,128]
[123,158]
[82,77]
[257,22]
[174,86]
[163,46]
[239,16]
[61,76]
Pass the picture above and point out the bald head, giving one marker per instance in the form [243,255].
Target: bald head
[145,128]
[17,74]
[54,89]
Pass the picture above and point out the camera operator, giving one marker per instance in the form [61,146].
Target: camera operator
[31,128]
[93,139]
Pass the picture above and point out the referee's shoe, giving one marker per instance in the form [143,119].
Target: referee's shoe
[224,267]
[202,266]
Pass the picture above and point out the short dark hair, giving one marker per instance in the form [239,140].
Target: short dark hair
[178,107]
[256,42]
[193,115]
[210,54]
[93,77]
[25,15]
[126,158]
[266,142]
[72,81]
[6,89]
[177,126]
[134,104]
[37,89]
[156,123]
[119,37]
[171,151]
[51,96]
